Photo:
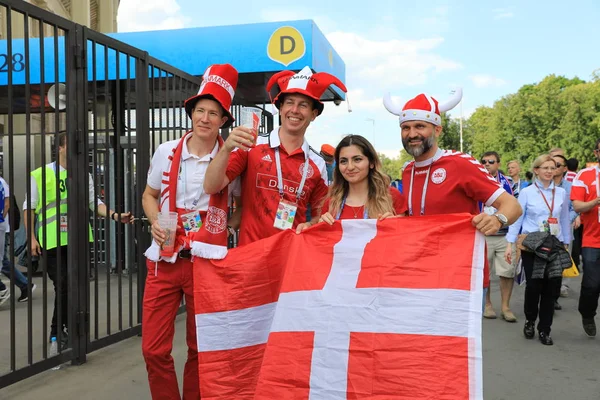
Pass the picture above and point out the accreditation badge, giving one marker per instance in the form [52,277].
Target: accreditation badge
[284,218]
[191,221]
[64,223]
[554,226]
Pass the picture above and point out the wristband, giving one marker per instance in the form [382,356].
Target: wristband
[112,216]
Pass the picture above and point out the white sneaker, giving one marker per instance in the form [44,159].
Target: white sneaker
[4,295]
[564,291]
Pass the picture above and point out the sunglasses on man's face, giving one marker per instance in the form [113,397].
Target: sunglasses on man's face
[491,162]
[559,165]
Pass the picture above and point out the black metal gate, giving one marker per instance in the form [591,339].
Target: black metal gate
[116,104]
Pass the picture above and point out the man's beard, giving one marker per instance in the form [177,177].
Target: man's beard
[425,146]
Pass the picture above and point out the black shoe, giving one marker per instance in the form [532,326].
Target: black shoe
[529,330]
[589,326]
[25,295]
[546,339]
[557,306]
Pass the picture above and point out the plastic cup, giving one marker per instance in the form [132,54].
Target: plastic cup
[168,222]
[250,117]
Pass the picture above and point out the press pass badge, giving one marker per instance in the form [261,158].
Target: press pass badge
[64,225]
[284,218]
[191,221]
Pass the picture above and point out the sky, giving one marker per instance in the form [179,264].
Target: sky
[490,49]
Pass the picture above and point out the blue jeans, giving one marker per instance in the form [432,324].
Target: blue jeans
[590,284]
[7,265]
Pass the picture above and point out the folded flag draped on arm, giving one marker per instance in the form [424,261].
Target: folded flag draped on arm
[358,310]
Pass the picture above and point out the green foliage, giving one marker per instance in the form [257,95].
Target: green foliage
[450,137]
[556,112]
[392,166]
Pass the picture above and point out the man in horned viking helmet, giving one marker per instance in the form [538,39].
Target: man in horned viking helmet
[444,181]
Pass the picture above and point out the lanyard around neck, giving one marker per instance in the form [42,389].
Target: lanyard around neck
[280,175]
[423,195]
[339,213]
[550,207]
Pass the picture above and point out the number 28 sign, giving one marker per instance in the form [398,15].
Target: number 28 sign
[16,63]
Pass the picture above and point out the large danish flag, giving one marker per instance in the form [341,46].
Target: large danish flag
[358,310]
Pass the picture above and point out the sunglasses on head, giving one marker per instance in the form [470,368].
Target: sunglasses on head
[491,162]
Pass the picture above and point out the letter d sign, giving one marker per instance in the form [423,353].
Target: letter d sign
[286,45]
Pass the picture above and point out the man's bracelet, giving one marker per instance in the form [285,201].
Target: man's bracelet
[112,216]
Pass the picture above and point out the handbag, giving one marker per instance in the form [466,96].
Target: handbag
[571,272]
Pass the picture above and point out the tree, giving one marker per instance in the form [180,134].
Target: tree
[556,112]
[391,166]
[450,137]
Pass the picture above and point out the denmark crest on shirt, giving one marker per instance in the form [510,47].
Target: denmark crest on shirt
[310,171]
[438,176]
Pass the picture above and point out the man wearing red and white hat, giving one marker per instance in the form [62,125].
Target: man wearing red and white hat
[281,172]
[443,181]
[175,184]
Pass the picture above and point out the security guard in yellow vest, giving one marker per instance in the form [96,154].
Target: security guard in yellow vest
[48,215]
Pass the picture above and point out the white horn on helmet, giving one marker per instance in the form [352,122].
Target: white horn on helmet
[391,105]
[454,100]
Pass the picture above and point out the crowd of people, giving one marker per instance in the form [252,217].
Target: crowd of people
[528,221]
[280,174]
[278,181]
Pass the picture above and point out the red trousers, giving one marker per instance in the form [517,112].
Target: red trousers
[162,298]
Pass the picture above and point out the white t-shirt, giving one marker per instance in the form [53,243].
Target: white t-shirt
[35,197]
[6,196]
[192,170]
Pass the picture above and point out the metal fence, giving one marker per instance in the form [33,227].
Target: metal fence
[116,105]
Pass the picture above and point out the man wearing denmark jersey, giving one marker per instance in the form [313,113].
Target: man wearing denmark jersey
[442,181]
[585,194]
[281,172]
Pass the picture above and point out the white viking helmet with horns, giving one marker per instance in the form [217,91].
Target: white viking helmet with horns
[422,108]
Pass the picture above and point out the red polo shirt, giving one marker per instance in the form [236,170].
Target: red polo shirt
[584,189]
[260,194]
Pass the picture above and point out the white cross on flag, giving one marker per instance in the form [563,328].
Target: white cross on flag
[357,310]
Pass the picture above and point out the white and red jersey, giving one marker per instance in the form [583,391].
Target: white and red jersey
[260,193]
[457,182]
[585,188]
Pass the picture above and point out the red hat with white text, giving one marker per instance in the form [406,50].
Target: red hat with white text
[422,108]
[304,82]
[218,83]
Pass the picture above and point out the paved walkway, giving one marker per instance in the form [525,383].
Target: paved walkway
[107,288]
[514,368]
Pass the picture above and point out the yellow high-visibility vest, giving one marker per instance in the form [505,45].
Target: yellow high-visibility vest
[51,220]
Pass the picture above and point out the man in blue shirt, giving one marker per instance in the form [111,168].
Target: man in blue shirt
[496,247]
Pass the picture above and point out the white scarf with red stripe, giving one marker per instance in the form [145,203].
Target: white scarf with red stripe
[211,240]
